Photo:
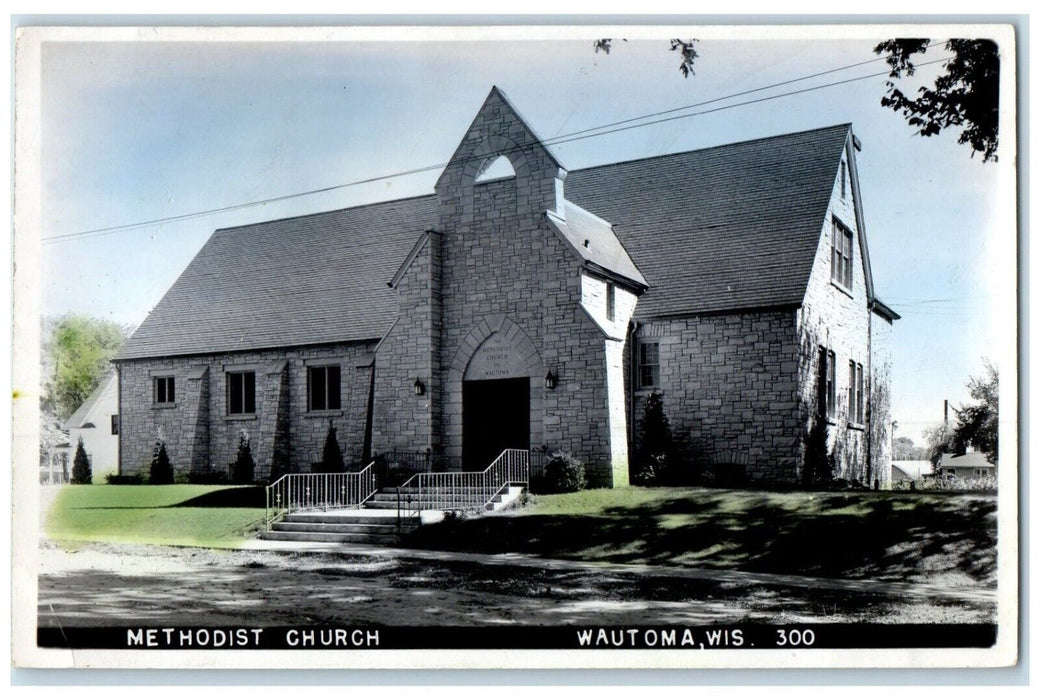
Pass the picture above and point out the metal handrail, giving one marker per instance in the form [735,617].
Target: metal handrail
[293,492]
[463,490]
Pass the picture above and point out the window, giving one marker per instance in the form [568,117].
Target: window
[163,390]
[241,390]
[610,301]
[841,255]
[115,424]
[844,174]
[323,388]
[860,396]
[649,369]
[827,395]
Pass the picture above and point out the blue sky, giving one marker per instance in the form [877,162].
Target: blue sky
[140,130]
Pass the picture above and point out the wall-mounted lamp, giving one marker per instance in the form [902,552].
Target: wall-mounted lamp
[419,387]
[550,380]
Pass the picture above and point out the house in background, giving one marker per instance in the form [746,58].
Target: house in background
[537,309]
[96,421]
[910,470]
[971,465]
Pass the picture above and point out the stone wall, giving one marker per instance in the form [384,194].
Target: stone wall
[200,435]
[729,384]
[837,319]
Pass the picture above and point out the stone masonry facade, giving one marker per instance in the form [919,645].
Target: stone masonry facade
[201,436]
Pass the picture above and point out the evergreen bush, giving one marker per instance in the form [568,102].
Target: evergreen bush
[653,457]
[331,455]
[81,466]
[563,474]
[243,467]
[161,471]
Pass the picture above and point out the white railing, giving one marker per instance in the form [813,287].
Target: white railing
[462,490]
[294,492]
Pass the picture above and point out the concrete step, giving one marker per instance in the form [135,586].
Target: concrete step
[357,529]
[352,517]
[337,537]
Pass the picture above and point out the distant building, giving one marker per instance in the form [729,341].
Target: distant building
[538,309]
[910,470]
[971,465]
[96,421]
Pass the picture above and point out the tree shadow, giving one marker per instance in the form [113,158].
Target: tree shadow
[858,534]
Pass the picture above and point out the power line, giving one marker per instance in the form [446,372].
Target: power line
[603,130]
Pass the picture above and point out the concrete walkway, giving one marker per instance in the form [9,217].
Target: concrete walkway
[920,590]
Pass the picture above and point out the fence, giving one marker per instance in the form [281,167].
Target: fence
[463,490]
[395,468]
[294,492]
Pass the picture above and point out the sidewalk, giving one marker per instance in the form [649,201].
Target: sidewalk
[920,590]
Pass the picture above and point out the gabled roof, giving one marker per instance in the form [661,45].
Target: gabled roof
[719,229]
[594,241]
[301,281]
[81,417]
[971,459]
[723,228]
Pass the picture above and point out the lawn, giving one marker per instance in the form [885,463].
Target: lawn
[181,514]
[887,535]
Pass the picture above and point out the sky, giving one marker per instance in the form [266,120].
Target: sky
[166,124]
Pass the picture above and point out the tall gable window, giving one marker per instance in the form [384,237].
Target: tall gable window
[163,390]
[611,301]
[241,393]
[827,396]
[649,365]
[857,403]
[844,175]
[323,388]
[841,255]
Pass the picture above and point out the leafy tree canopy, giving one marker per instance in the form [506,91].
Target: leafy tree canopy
[965,95]
[977,422]
[77,353]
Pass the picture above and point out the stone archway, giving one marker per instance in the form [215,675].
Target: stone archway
[494,393]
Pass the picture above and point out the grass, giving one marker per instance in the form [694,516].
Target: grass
[893,535]
[179,514]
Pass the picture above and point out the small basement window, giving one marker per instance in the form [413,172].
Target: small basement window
[241,393]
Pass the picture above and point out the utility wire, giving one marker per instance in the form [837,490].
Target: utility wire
[592,132]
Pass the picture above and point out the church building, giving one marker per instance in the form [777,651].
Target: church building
[537,310]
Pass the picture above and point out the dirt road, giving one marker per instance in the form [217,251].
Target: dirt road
[94,585]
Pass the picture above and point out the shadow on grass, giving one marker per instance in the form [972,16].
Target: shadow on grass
[867,534]
[237,497]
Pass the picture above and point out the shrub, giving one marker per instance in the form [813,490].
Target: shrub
[563,474]
[161,471]
[331,455]
[653,457]
[81,466]
[124,479]
[243,466]
[818,468]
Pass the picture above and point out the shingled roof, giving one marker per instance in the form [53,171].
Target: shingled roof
[719,229]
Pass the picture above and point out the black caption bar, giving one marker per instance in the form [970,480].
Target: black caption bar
[803,636]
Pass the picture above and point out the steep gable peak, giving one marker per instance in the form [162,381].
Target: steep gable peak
[498,130]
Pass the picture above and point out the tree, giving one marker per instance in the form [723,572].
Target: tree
[77,351]
[331,455]
[903,448]
[81,466]
[655,443]
[977,422]
[686,49]
[243,466]
[966,94]
[940,441]
[162,470]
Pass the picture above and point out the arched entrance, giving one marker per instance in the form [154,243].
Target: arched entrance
[497,381]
